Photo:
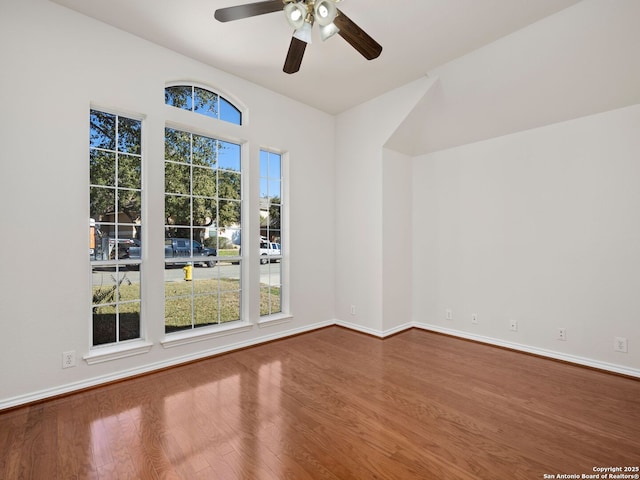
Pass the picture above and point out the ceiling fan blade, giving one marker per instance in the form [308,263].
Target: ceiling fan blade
[356,37]
[294,56]
[248,10]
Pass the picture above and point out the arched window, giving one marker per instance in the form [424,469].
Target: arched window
[203,206]
[202,101]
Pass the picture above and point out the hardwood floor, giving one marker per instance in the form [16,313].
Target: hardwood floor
[336,404]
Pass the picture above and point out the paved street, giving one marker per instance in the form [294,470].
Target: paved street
[269,274]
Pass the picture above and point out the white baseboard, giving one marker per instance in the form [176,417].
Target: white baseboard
[122,374]
[104,379]
[587,362]
[371,331]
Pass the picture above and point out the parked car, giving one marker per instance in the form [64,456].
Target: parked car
[106,247]
[267,249]
[183,248]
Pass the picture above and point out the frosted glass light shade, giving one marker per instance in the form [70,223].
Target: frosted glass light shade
[295,14]
[325,12]
[304,33]
[328,31]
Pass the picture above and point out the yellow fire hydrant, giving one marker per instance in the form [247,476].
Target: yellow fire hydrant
[188,271]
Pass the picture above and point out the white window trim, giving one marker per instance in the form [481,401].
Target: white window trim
[235,101]
[275,319]
[285,314]
[126,348]
[113,352]
[205,333]
[196,331]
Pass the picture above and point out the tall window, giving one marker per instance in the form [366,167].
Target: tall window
[115,211]
[270,233]
[203,198]
[202,101]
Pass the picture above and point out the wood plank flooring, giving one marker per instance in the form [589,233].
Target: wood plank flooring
[336,404]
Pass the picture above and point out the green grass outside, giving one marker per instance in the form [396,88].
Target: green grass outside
[198,300]
[270,297]
[228,252]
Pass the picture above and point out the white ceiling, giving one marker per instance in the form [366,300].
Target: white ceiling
[417,36]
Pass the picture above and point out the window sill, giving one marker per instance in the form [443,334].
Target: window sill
[106,354]
[275,319]
[202,334]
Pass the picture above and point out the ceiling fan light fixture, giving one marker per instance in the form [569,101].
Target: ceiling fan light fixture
[303,33]
[295,13]
[328,31]
[325,12]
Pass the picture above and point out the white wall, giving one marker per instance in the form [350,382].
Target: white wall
[397,241]
[536,226]
[574,63]
[360,190]
[64,64]
[540,226]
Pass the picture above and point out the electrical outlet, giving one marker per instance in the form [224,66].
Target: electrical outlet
[353,309]
[474,318]
[69,359]
[513,326]
[449,314]
[562,334]
[620,344]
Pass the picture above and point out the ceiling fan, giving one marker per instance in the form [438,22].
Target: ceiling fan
[301,15]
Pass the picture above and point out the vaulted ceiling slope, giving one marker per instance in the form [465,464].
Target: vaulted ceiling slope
[581,61]
[417,37]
